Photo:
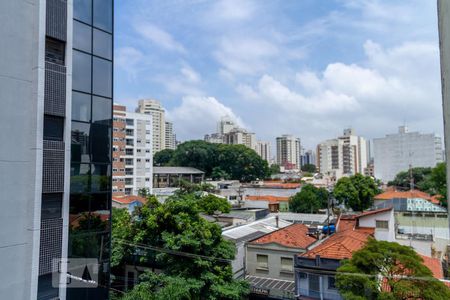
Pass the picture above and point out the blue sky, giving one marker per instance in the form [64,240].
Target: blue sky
[308,68]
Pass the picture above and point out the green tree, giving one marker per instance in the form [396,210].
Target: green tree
[309,200]
[386,270]
[121,231]
[202,259]
[438,182]
[402,179]
[163,157]
[144,192]
[218,173]
[196,154]
[209,204]
[274,169]
[310,168]
[356,191]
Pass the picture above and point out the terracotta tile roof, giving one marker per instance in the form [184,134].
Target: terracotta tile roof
[403,194]
[340,245]
[295,235]
[373,212]
[278,184]
[128,199]
[435,199]
[269,198]
[345,222]
[435,266]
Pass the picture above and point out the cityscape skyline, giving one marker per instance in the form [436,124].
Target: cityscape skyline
[291,77]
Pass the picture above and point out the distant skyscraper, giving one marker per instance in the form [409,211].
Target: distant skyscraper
[346,155]
[240,136]
[225,125]
[171,139]
[396,152]
[263,150]
[309,157]
[288,152]
[154,108]
[132,152]
[56,95]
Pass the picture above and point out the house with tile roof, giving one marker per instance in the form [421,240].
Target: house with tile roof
[129,202]
[271,256]
[273,203]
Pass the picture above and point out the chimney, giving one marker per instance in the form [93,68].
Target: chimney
[277,221]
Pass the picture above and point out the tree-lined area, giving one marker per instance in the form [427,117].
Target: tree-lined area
[430,180]
[189,253]
[218,161]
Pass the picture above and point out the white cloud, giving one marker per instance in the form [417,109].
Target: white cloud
[158,36]
[232,10]
[190,74]
[128,59]
[197,116]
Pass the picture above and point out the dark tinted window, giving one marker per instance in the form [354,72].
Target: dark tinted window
[102,44]
[103,14]
[82,36]
[101,110]
[81,146]
[100,201]
[53,128]
[54,51]
[81,107]
[79,178]
[82,10]
[51,206]
[81,80]
[102,77]
[101,143]
[101,177]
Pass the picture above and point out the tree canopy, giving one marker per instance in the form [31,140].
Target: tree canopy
[429,180]
[310,168]
[218,161]
[163,157]
[309,200]
[356,192]
[194,258]
[386,270]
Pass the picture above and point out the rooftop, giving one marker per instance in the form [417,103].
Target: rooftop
[254,230]
[295,236]
[270,198]
[403,194]
[128,199]
[317,219]
[176,170]
[435,266]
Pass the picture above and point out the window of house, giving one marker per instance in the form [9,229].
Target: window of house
[331,282]
[262,261]
[287,264]
[382,224]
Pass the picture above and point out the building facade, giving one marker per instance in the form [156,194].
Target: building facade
[397,152]
[308,158]
[132,152]
[263,150]
[155,109]
[170,137]
[240,136]
[344,156]
[288,152]
[56,83]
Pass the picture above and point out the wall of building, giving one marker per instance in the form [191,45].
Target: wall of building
[381,234]
[21,96]
[274,254]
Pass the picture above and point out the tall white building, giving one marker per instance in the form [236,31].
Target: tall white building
[396,152]
[240,136]
[170,137]
[154,108]
[263,150]
[132,152]
[288,151]
[225,125]
[343,156]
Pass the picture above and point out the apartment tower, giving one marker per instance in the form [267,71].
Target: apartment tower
[170,137]
[132,152]
[288,152]
[263,150]
[56,95]
[155,109]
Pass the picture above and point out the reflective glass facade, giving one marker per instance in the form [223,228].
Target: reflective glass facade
[91,138]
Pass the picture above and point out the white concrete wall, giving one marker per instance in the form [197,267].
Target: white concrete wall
[22,34]
[380,234]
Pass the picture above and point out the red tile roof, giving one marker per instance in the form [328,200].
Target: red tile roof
[340,245]
[373,212]
[128,199]
[269,198]
[435,266]
[295,235]
[277,184]
[435,199]
[403,194]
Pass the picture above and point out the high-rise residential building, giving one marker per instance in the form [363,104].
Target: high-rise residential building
[154,108]
[397,152]
[263,150]
[240,136]
[225,125]
[288,151]
[308,158]
[56,94]
[132,152]
[171,138]
[343,156]
[214,138]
